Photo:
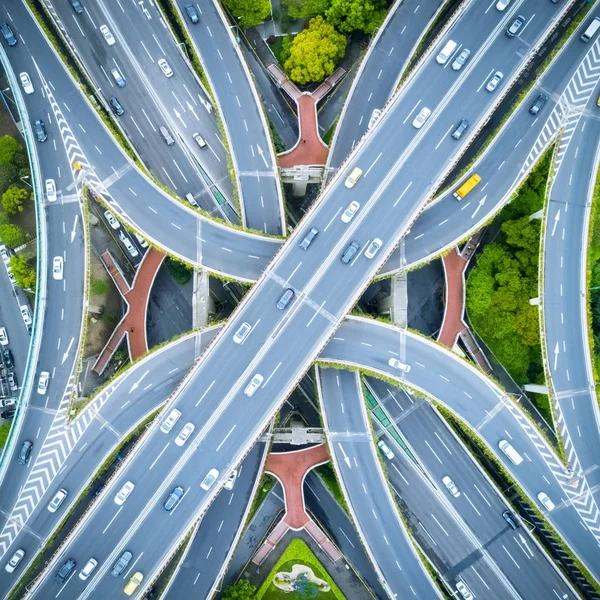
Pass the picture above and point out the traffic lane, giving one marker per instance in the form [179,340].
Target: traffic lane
[214,539]
[257,188]
[12,321]
[336,387]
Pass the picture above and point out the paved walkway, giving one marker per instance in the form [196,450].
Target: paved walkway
[133,324]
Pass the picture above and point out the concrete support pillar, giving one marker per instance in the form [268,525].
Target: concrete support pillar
[299,188]
[202,303]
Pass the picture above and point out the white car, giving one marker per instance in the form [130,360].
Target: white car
[11,276]
[142,242]
[450,486]
[88,569]
[14,561]
[231,480]
[421,118]
[209,480]
[242,333]
[396,364]
[545,501]
[496,78]
[26,83]
[124,492]
[112,220]
[373,248]
[128,244]
[26,314]
[51,190]
[253,385]
[58,499]
[385,450]
[168,423]
[5,254]
[502,4]
[350,211]
[57,267]
[108,36]
[43,381]
[465,592]
[374,116]
[165,68]
[184,434]
[3,336]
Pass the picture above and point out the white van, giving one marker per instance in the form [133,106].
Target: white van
[510,452]
[446,52]
[587,35]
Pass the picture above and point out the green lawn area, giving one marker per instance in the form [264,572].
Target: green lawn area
[277,46]
[297,553]
[4,429]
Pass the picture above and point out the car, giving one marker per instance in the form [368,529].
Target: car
[495,79]
[396,364]
[57,500]
[174,498]
[464,591]
[128,244]
[210,479]
[65,571]
[40,130]
[121,564]
[545,501]
[141,241]
[168,423]
[373,248]
[3,336]
[108,36]
[5,402]
[5,254]
[308,238]
[8,414]
[124,492]
[13,384]
[14,561]
[285,298]
[349,213]
[385,450]
[511,519]
[374,116]
[242,333]
[254,384]
[450,486]
[134,583]
[112,220]
[166,135]
[199,140]
[460,129]
[9,360]
[119,79]
[353,177]
[11,276]
[51,190]
[57,267]
[350,252]
[26,314]
[26,83]
[230,481]
[502,4]
[539,103]
[43,381]
[8,35]
[77,7]
[184,434]
[25,452]
[515,26]
[165,68]
[192,13]
[461,59]
[116,106]
[88,569]
[421,118]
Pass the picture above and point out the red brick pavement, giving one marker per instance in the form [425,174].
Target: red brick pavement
[454,266]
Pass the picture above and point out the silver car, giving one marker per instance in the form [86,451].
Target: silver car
[461,59]
[496,78]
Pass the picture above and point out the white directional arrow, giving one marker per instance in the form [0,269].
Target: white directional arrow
[481,203]
[556,220]
[262,155]
[74,228]
[179,117]
[346,459]
[66,354]
[524,542]
[556,353]
[137,383]
[191,109]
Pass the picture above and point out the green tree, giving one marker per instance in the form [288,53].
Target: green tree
[8,175]
[298,9]
[24,274]
[11,235]
[12,199]
[352,15]
[249,12]
[242,590]
[315,52]
[8,148]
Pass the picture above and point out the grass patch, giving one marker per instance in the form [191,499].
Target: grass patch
[4,431]
[327,474]
[593,280]
[277,46]
[298,553]
[328,135]
[180,272]
[267,482]
[99,287]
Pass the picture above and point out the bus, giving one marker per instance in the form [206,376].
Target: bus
[467,186]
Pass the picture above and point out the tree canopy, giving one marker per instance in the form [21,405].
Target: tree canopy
[9,147]
[298,9]
[24,274]
[352,15]
[249,12]
[314,52]
[13,198]
[242,590]
[11,235]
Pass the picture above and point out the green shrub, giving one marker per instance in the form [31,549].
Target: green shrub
[180,272]
[99,287]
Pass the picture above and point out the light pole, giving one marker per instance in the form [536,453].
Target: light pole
[26,182]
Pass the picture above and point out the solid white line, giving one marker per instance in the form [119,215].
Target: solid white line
[161,453]
[332,218]
[206,392]
[225,438]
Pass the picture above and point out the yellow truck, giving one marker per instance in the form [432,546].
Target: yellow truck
[467,186]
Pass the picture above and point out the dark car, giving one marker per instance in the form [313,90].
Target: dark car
[25,452]
[192,13]
[40,130]
[116,107]
[77,7]
[285,298]
[8,34]
[538,104]
[310,236]
[65,571]
[462,126]
[173,500]
[8,359]
[121,564]
[511,519]
[515,26]
[8,414]
[350,252]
